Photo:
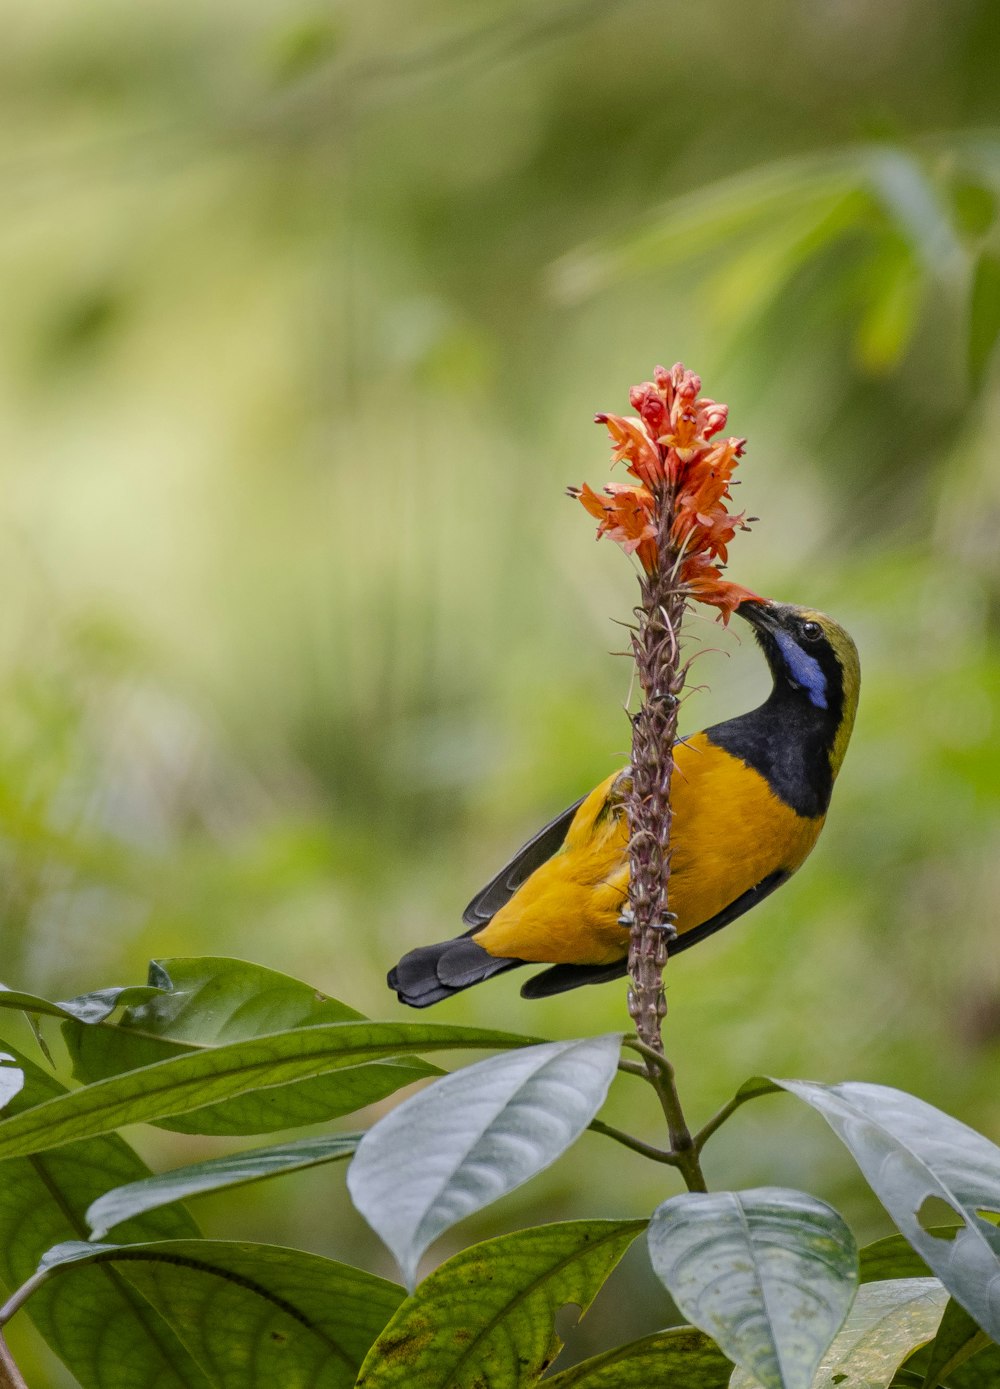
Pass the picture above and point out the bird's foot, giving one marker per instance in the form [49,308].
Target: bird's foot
[667,924]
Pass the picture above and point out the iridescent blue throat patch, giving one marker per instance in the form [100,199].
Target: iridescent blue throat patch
[804,669]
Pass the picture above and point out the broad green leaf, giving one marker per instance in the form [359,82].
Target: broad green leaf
[682,1357]
[256,1316]
[93,1318]
[210,1001]
[886,1324]
[208,1076]
[487,1316]
[217,1174]
[473,1136]
[88,1008]
[11,1078]
[984,315]
[316,1099]
[769,1274]
[893,1257]
[911,1152]
[981,1371]
[958,1339]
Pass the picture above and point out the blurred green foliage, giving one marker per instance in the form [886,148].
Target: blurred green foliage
[307,311]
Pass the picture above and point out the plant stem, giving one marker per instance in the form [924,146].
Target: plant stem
[20,1295]
[685,1150]
[10,1375]
[636,1144]
[686,1154]
[718,1119]
[633,1068]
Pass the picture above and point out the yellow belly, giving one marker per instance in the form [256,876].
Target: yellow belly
[730,832]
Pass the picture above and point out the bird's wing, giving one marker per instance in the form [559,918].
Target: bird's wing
[562,977]
[499,890]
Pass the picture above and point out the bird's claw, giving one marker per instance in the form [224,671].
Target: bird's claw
[667,924]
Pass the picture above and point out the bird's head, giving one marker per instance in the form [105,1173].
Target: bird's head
[812,659]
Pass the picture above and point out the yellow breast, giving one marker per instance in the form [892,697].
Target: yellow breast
[730,831]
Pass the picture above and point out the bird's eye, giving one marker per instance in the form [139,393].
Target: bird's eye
[812,631]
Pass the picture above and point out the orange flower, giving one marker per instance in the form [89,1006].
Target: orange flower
[711,533]
[633,445]
[626,515]
[670,406]
[672,449]
[705,582]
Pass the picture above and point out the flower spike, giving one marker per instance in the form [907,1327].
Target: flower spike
[677,520]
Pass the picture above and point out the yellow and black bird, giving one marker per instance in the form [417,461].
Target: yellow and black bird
[749,799]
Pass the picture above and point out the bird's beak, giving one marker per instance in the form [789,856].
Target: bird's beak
[759,613]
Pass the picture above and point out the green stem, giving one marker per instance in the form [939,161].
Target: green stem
[729,1109]
[717,1120]
[660,1074]
[632,1068]
[20,1296]
[681,1142]
[636,1144]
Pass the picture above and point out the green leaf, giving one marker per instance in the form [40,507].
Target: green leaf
[210,1001]
[205,1077]
[769,1274]
[893,1257]
[682,1357]
[88,1008]
[473,1136]
[981,1371]
[958,1339]
[93,1318]
[214,999]
[886,1324]
[254,1315]
[984,315]
[487,1316]
[11,1078]
[217,1174]
[317,1098]
[915,1157]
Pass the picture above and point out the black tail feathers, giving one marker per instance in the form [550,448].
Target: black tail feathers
[558,978]
[433,972]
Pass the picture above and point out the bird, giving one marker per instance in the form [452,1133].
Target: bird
[749,799]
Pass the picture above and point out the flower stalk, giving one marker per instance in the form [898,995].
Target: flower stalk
[677,524]
[656,648]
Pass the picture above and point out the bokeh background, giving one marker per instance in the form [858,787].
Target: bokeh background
[306,312]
